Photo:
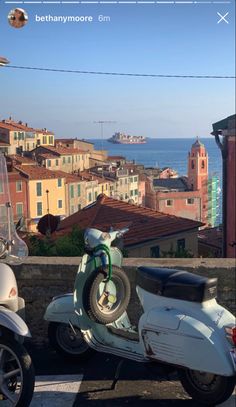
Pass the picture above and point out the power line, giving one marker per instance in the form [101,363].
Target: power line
[120,73]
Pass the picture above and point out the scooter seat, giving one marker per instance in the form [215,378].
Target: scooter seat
[177,284]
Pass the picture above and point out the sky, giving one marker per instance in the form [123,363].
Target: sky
[175,39]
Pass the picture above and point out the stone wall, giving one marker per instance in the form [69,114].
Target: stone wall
[41,278]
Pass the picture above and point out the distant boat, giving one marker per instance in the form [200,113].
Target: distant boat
[121,138]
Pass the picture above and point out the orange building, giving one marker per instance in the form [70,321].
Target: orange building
[184,196]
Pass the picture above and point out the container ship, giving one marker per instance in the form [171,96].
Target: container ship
[121,138]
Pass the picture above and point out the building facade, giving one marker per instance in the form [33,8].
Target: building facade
[225,136]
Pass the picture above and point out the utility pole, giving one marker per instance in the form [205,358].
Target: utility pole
[102,122]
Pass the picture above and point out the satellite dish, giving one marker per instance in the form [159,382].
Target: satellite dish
[48,224]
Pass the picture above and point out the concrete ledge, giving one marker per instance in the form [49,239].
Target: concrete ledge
[41,278]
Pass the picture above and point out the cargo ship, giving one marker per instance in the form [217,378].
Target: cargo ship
[121,138]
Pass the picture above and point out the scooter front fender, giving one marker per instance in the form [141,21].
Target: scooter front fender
[61,309]
[13,322]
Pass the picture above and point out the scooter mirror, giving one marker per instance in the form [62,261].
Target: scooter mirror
[12,248]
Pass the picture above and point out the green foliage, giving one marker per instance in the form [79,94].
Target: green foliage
[181,253]
[70,245]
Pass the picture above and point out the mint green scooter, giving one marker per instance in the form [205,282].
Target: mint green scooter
[180,314]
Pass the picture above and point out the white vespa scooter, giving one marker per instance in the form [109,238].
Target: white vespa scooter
[16,369]
[181,326]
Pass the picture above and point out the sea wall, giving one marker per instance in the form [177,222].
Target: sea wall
[41,278]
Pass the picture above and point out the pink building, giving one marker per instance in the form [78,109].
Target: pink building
[225,136]
[186,197]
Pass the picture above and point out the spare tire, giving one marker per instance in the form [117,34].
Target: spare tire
[105,301]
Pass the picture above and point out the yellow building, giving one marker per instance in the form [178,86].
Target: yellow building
[46,193]
[62,158]
[21,137]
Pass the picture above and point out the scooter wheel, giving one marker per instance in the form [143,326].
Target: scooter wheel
[207,388]
[68,342]
[16,374]
[105,301]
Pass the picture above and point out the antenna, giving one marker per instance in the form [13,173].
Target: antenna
[102,122]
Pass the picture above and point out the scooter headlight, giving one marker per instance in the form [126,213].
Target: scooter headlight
[105,236]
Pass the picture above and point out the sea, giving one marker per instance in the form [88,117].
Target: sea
[167,152]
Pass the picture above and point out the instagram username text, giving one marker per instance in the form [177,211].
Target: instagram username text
[63,19]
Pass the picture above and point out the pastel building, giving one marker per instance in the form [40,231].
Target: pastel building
[225,136]
[46,193]
[20,137]
[186,197]
[65,159]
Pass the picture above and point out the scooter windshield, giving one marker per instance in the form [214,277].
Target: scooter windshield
[12,248]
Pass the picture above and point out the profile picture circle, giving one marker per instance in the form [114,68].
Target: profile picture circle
[17,17]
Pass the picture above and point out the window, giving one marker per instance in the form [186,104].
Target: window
[79,207]
[135,192]
[135,179]
[19,209]
[180,244]
[50,139]
[89,196]
[44,139]
[18,186]
[49,163]
[15,135]
[78,189]
[59,203]
[169,202]
[1,187]
[63,160]
[59,182]
[155,251]
[192,164]
[72,191]
[131,193]
[57,163]
[69,160]
[190,201]
[39,208]
[96,194]
[203,164]
[39,188]
[131,179]
[72,209]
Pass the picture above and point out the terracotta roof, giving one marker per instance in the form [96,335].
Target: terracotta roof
[144,224]
[115,157]
[20,126]
[64,150]
[35,172]
[47,155]
[88,176]
[70,140]
[68,177]
[21,160]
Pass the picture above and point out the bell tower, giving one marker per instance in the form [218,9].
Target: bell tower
[198,175]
